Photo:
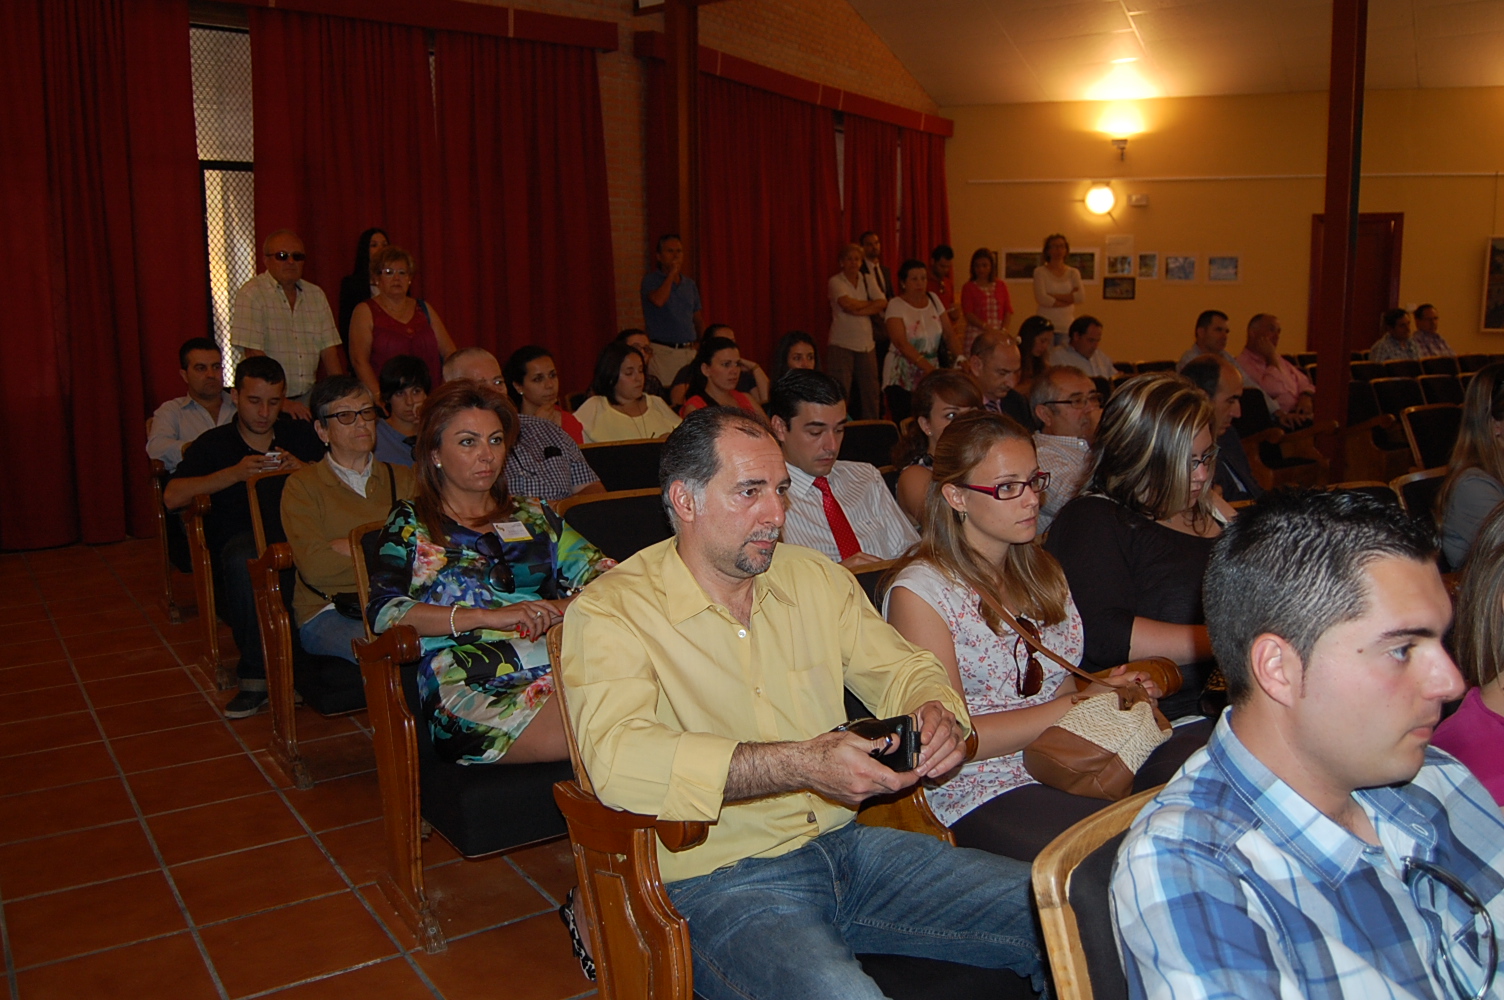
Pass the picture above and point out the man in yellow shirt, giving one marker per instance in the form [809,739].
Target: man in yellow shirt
[704,676]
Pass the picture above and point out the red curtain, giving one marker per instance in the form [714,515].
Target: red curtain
[871,162]
[926,206]
[344,138]
[769,213]
[103,191]
[526,250]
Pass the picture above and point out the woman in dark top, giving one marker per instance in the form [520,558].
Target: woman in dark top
[1135,543]
[356,287]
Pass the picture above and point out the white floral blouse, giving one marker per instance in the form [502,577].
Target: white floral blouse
[990,678]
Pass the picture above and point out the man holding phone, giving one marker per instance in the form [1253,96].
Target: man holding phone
[703,678]
[218,463]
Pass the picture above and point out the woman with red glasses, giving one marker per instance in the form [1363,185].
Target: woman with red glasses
[978,551]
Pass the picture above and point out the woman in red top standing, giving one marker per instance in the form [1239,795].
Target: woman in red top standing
[717,368]
[984,298]
[392,323]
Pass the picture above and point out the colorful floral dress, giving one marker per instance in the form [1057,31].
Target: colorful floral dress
[480,689]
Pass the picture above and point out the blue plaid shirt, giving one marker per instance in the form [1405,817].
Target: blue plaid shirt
[1229,884]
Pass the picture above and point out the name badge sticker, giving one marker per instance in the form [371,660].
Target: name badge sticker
[512,531]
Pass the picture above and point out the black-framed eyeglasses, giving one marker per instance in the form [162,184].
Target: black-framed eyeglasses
[1207,458]
[347,417]
[1039,482]
[285,255]
[1027,681]
[1079,401]
[501,575]
[1469,944]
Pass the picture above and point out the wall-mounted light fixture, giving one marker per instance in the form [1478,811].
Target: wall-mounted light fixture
[1121,145]
[1100,200]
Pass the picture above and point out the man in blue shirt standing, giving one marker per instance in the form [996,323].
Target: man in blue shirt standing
[670,311]
[1318,846]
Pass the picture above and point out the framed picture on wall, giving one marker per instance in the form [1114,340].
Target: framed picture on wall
[1120,265]
[1225,268]
[1118,287]
[1019,265]
[1493,287]
[1084,261]
[1180,267]
[1148,266]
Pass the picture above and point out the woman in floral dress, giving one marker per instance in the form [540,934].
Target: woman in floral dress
[481,576]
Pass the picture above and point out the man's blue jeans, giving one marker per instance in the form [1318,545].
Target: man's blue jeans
[789,927]
[330,633]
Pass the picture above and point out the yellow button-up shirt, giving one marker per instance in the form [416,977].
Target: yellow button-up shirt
[662,683]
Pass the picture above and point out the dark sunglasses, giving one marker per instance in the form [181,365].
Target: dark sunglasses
[500,575]
[283,255]
[1027,682]
[347,417]
[1459,943]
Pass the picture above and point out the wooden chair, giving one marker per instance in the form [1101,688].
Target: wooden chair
[1072,877]
[1471,362]
[1126,367]
[1367,371]
[1154,366]
[212,664]
[1278,457]
[639,941]
[330,685]
[619,524]
[363,550]
[898,403]
[1372,441]
[1377,490]
[172,542]
[1418,492]
[625,465]
[480,810]
[1431,432]
[1360,355]
[1403,368]
[870,441]
[1441,388]
[1440,364]
[1305,358]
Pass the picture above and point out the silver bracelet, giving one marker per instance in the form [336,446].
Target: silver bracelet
[452,609]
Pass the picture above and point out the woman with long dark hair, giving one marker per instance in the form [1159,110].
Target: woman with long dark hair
[716,370]
[357,286]
[533,386]
[795,350]
[1474,485]
[620,407]
[481,576]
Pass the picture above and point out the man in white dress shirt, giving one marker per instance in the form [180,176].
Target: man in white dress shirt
[842,509]
[1082,350]
[178,422]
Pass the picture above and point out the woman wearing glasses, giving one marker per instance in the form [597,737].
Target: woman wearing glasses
[481,576]
[1135,543]
[323,502]
[392,323]
[979,539]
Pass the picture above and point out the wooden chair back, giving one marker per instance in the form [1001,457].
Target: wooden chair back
[1367,371]
[1154,366]
[870,441]
[1431,432]
[1441,388]
[363,549]
[619,524]
[625,465]
[1440,364]
[1472,362]
[1372,487]
[1071,882]
[1418,492]
[210,662]
[169,528]
[265,493]
[1403,368]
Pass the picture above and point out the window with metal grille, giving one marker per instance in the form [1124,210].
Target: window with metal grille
[226,144]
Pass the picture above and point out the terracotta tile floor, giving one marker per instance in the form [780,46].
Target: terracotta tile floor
[149,848]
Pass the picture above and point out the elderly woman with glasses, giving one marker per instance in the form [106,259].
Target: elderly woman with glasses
[1134,544]
[977,555]
[391,322]
[481,576]
[323,502]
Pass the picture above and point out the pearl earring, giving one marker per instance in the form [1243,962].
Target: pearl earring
[438,465]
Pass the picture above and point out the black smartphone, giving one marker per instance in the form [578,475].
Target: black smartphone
[900,750]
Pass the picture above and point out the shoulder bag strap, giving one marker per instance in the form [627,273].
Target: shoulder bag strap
[391,484]
[1038,647]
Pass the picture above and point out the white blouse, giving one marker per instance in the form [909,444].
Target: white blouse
[1047,286]
[604,422]
[989,679]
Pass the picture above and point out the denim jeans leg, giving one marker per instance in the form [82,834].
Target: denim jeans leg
[910,894]
[237,606]
[330,633]
[765,929]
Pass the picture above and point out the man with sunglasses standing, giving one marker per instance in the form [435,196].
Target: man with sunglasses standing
[1318,846]
[1067,406]
[279,314]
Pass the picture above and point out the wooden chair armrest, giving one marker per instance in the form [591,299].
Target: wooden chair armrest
[1383,421]
[1269,435]
[1310,433]
[197,508]
[599,827]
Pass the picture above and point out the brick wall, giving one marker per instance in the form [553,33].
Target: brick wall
[821,40]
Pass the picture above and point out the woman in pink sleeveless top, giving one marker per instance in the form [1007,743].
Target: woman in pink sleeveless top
[391,323]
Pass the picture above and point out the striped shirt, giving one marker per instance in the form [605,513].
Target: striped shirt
[1229,884]
[878,521]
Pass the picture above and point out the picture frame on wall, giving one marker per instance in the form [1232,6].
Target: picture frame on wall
[1119,288]
[1493,287]
[1148,266]
[1180,268]
[1120,265]
[1084,261]
[1224,268]
[1019,265]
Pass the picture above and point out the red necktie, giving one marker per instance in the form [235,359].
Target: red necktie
[846,542]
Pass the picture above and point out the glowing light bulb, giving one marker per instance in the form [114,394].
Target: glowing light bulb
[1100,199]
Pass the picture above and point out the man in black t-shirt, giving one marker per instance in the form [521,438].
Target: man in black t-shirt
[260,439]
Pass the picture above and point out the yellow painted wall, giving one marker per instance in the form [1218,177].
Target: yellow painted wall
[1448,220]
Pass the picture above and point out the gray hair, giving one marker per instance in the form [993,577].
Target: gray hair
[690,455]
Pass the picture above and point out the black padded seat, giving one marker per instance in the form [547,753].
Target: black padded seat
[1089,890]
[905,978]
[625,465]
